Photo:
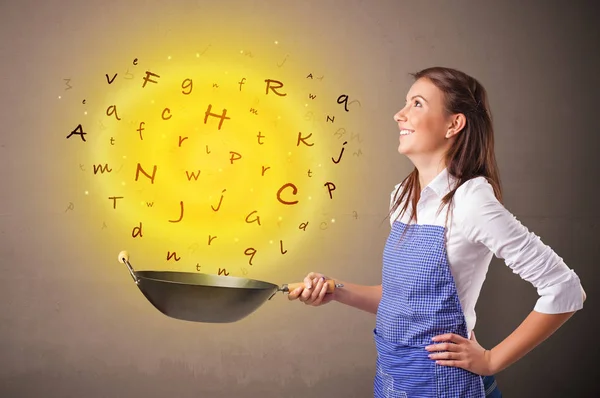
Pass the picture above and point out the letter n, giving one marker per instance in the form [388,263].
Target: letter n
[139,168]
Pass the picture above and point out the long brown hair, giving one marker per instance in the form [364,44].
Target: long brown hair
[472,153]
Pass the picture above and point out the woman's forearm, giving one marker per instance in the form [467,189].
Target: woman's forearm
[536,328]
[364,298]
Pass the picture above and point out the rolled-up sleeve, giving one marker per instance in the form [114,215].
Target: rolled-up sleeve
[483,219]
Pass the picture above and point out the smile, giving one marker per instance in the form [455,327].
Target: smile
[406,132]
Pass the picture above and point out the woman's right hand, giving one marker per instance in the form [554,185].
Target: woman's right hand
[314,291]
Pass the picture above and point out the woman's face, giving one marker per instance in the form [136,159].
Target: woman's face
[423,122]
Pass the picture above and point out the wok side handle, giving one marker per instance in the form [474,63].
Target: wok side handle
[124,258]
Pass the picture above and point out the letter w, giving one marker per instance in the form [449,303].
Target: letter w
[192,175]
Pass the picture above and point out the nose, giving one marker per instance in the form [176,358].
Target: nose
[399,116]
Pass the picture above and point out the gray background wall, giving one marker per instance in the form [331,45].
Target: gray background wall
[74,325]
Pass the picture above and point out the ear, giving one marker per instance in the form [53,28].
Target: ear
[457,124]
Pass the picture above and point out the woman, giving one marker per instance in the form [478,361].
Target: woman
[436,258]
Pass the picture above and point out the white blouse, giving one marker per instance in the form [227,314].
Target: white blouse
[480,227]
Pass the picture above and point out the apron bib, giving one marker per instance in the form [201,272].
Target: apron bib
[419,301]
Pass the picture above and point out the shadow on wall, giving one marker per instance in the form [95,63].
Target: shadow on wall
[94,379]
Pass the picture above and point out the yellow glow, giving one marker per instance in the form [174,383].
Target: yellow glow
[196,170]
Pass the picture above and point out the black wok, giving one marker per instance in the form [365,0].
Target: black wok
[199,297]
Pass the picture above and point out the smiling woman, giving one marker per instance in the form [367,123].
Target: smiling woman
[447,222]
[422,122]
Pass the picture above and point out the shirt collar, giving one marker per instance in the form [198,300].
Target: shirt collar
[442,183]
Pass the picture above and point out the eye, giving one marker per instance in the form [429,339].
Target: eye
[418,103]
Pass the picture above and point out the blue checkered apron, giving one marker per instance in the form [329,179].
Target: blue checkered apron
[419,301]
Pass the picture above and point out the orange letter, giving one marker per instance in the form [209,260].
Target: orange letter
[294,192]
[269,81]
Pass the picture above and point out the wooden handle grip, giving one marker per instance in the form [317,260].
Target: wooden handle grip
[330,285]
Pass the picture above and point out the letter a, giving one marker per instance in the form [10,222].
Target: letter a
[79,131]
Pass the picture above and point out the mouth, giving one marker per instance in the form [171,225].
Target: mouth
[406,132]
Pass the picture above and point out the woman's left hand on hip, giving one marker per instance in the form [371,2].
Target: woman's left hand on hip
[461,352]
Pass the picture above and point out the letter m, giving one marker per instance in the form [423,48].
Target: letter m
[101,168]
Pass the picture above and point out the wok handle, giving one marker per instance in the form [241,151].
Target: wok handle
[124,258]
[331,286]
